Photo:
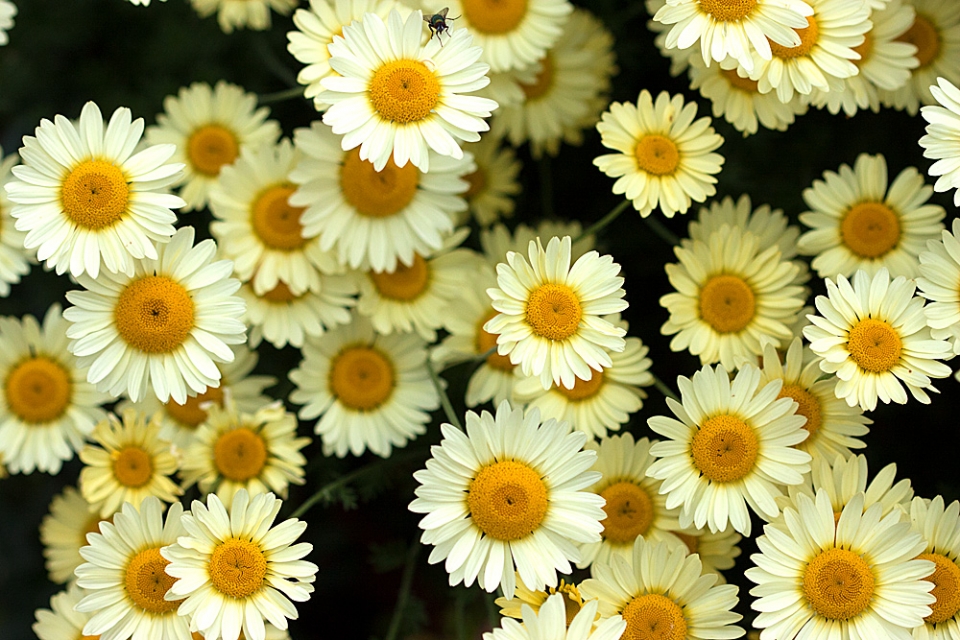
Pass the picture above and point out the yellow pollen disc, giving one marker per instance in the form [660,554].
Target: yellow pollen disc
[925,36]
[874,345]
[487,341]
[98,637]
[405,283]
[132,466]
[377,194]
[724,448]
[542,84]
[809,406]
[583,389]
[870,229]
[692,542]
[744,84]
[554,311]
[507,500]
[147,582]
[280,294]
[654,617]
[190,414]
[404,91]
[38,390]
[240,454]
[210,147]
[864,49]
[154,314]
[275,222]
[95,194]
[237,568]
[727,303]
[629,512]
[809,37]
[728,10]
[946,587]
[657,155]
[494,16]
[478,183]
[838,584]
[361,378]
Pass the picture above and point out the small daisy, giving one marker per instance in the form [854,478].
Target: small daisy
[386,99]
[939,282]
[549,319]
[370,391]
[731,446]
[166,326]
[856,222]
[125,576]
[718,551]
[8,11]
[854,577]
[664,158]
[86,199]
[234,450]
[127,462]
[210,127]
[942,140]
[47,408]
[873,336]
[63,531]
[14,261]
[498,241]
[940,528]
[63,622]
[731,297]
[509,494]
[523,598]
[493,184]
[235,569]
[252,14]
[552,621]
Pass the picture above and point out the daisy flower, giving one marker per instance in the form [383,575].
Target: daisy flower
[62,621]
[664,158]
[14,262]
[63,531]
[210,127]
[718,551]
[731,297]
[253,14]
[8,11]
[125,575]
[165,326]
[388,101]
[370,218]
[939,282]
[256,451]
[856,222]
[552,621]
[873,336]
[236,569]
[127,462]
[549,319]
[534,600]
[370,391]
[493,185]
[509,494]
[731,446]
[940,528]
[854,577]
[498,241]
[85,198]
[942,140]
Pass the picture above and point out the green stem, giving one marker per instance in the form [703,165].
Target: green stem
[444,399]
[661,230]
[546,187]
[280,96]
[663,388]
[405,582]
[597,226]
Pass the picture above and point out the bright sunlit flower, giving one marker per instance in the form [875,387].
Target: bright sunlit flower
[942,140]
[252,14]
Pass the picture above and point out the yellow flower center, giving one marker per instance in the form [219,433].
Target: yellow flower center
[478,183]
[583,389]
[154,314]
[487,341]
[240,454]
[692,542]
[727,303]
[280,294]
[404,91]
[874,345]
[132,466]
[95,194]
[744,84]
[724,448]
[809,37]
[147,582]
[657,155]
[405,283]
[554,311]
[838,584]
[870,229]
[629,512]
[189,414]
[809,407]
[38,390]
[362,378]
[210,147]
[377,194]
[507,500]
[237,568]
[275,222]
[925,36]
[946,587]
[654,617]
[728,10]
[542,84]
[864,49]
[494,16]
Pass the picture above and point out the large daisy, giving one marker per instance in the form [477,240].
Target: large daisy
[63,531]
[165,326]
[552,621]
[508,494]
[940,528]
[939,282]
[664,158]
[942,139]
[388,101]
[86,199]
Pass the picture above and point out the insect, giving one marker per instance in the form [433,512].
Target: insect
[438,23]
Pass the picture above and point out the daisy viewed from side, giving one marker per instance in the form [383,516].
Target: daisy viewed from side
[552,622]
[942,139]
[252,14]
[940,528]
